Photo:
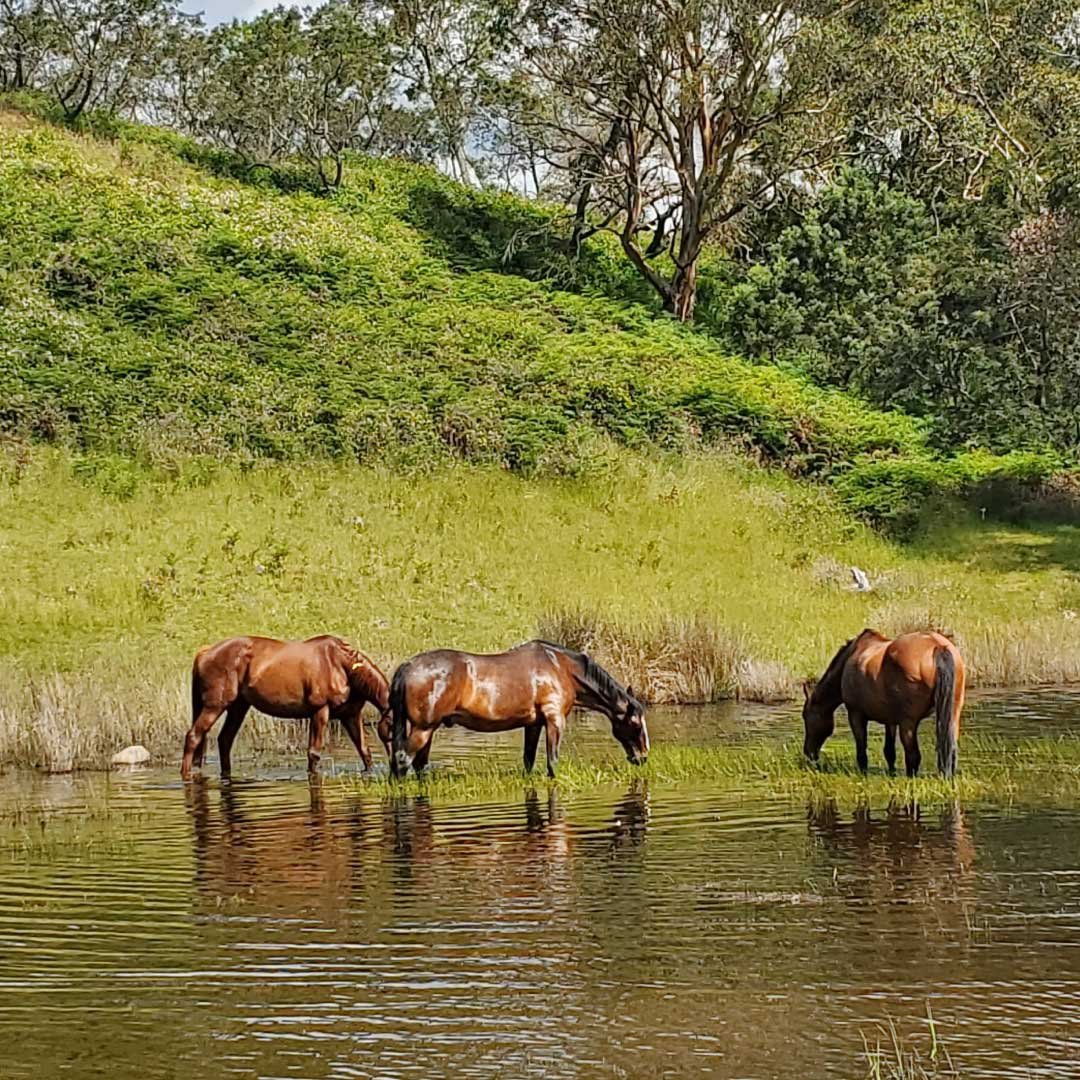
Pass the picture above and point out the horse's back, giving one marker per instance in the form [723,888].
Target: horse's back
[915,654]
[226,654]
[490,689]
[288,678]
[885,675]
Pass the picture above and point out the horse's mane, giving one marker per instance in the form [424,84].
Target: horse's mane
[595,678]
[831,678]
[363,670]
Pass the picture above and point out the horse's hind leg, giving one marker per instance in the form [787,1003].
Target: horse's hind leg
[233,719]
[194,739]
[316,733]
[858,729]
[909,737]
[890,748]
[532,741]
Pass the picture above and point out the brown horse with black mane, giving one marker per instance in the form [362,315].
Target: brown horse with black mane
[316,679]
[896,682]
[533,686]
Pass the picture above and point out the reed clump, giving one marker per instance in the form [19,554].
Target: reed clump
[672,659]
[61,722]
[890,1057]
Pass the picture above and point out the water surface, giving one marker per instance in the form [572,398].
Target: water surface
[271,927]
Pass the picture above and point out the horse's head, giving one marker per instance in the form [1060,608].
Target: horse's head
[817,721]
[628,726]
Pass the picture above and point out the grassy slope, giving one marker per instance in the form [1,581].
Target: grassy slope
[152,308]
[690,576]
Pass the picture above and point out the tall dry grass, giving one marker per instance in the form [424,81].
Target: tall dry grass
[59,722]
[670,660]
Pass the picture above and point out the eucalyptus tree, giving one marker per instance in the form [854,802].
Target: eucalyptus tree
[314,84]
[970,99]
[452,57]
[103,54]
[682,112]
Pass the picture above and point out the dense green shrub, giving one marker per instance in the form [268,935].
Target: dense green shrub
[896,491]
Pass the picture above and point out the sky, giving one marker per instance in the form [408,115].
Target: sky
[215,11]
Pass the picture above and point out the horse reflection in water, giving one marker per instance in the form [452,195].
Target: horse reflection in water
[907,871]
[902,839]
[487,861]
[500,860]
[298,860]
[630,821]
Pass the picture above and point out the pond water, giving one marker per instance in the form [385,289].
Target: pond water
[271,927]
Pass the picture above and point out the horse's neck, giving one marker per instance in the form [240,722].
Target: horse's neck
[365,677]
[828,692]
[588,694]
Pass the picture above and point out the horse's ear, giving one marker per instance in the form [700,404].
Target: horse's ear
[808,688]
[630,693]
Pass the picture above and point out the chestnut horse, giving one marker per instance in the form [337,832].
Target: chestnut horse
[533,686]
[895,682]
[320,678]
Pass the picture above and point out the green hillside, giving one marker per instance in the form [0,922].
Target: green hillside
[152,309]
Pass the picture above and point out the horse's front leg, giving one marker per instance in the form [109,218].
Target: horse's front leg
[316,733]
[553,729]
[195,738]
[420,758]
[385,729]
[353,723]
[858,729]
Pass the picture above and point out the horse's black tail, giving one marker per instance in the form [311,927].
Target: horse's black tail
[945,708]
[399,760]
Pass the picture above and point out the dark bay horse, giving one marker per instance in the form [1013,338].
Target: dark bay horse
[896,682]
[316,679]
[533,686]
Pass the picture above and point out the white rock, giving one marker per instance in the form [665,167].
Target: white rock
[131,755]
[862,582]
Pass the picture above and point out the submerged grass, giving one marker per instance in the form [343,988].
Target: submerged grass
[1024,771]
[889,1057]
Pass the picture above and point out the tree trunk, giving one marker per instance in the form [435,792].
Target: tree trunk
[683,293]
[581,208]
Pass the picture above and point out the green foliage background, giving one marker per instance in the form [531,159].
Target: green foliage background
[160,311]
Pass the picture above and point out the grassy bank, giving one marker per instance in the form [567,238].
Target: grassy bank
[694,578]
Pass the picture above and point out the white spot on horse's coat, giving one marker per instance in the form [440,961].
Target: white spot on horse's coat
[438,686]
[488,687]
